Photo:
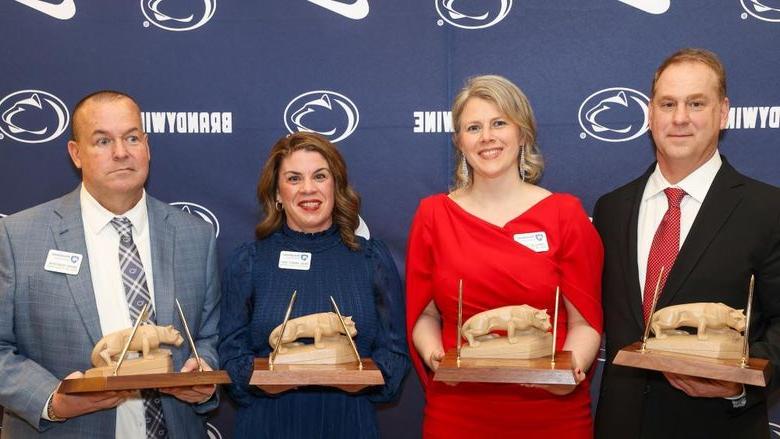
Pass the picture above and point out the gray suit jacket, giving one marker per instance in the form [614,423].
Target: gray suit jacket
[49,321]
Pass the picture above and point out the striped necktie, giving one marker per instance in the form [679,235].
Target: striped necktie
[137,295]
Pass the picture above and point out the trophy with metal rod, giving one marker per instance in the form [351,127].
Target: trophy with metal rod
[150,367]
[525,354]
[718,350]
[331,360]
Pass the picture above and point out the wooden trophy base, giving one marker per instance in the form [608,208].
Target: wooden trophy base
[138,366]
[346,376]
[756,372]
[337,350]
[141,373]
[526,347]
[723,345]
[139,382]
[503,370]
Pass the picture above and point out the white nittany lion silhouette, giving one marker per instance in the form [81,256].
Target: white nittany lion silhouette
[21,106]
[153,6]
[607,104]
[312,107]
[761,6]
[455,15]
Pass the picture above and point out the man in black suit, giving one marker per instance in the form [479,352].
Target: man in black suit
[727,227]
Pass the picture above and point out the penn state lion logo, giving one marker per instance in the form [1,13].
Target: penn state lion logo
[766,10]
[615,114]
[32,116]
[201,212]
[178,16]
[325,112]
[472,14]
[212,431]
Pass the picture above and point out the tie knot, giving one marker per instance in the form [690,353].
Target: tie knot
[122,225]
[674,196]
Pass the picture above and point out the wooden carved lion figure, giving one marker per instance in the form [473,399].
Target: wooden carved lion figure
[702,315]
[315,326]
[147,338]
[511,319]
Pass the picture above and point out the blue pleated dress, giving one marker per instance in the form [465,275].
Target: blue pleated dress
[255,295]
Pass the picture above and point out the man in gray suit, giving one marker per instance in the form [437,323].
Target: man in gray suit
[73,269]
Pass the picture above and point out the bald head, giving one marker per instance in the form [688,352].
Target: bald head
[110,148]
[101,96]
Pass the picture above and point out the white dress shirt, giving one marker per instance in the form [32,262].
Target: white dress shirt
[103,253]
[654,205]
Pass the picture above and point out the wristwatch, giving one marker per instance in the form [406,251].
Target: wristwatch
[740,400]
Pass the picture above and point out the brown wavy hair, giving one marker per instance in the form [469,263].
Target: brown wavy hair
[346,203]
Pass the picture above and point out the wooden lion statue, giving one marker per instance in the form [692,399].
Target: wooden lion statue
[702,316]
[512,319]
[147,341]
[718,328]
[316,326]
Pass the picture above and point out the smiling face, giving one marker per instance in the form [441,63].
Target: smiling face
[111,150]
[686,116]
[489,141]
[306,191]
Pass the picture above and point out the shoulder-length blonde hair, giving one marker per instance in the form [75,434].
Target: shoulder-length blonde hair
[511,102]
[347,201]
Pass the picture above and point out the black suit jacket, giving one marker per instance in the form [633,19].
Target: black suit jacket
[735,234]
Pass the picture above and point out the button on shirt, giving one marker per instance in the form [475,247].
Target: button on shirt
[103,252]
[654,205]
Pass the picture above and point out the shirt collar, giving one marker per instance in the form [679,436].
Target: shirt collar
[97,217]
[695,185]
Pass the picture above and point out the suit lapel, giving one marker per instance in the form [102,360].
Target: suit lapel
[721,200]
[631,268]
[68,231]
[162,236]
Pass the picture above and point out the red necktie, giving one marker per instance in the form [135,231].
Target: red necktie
[663,251]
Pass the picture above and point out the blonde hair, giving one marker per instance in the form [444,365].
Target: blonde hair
[512,102]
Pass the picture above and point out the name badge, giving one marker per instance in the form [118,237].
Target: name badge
[63,262]
[536,241]
[294,260]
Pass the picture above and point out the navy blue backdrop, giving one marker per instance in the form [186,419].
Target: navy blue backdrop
[220,81]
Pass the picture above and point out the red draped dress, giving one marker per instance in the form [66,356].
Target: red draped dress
[446,243]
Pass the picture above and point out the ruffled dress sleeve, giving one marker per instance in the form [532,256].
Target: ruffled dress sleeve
[580,263]
[419,280]
[235,351]
[389,350]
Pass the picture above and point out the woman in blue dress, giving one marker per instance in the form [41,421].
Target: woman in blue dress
[311,214]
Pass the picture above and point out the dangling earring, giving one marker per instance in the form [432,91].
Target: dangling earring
[522,163]
[278,206]
[464,170]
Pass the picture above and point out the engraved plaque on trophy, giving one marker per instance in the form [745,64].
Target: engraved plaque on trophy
[151,367]
[525,354]
[332,359]
[718,350]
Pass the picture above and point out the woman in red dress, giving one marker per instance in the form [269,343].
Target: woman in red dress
[512,243]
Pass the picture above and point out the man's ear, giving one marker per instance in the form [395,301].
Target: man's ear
[74,152]
[148,149]
[724,112]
